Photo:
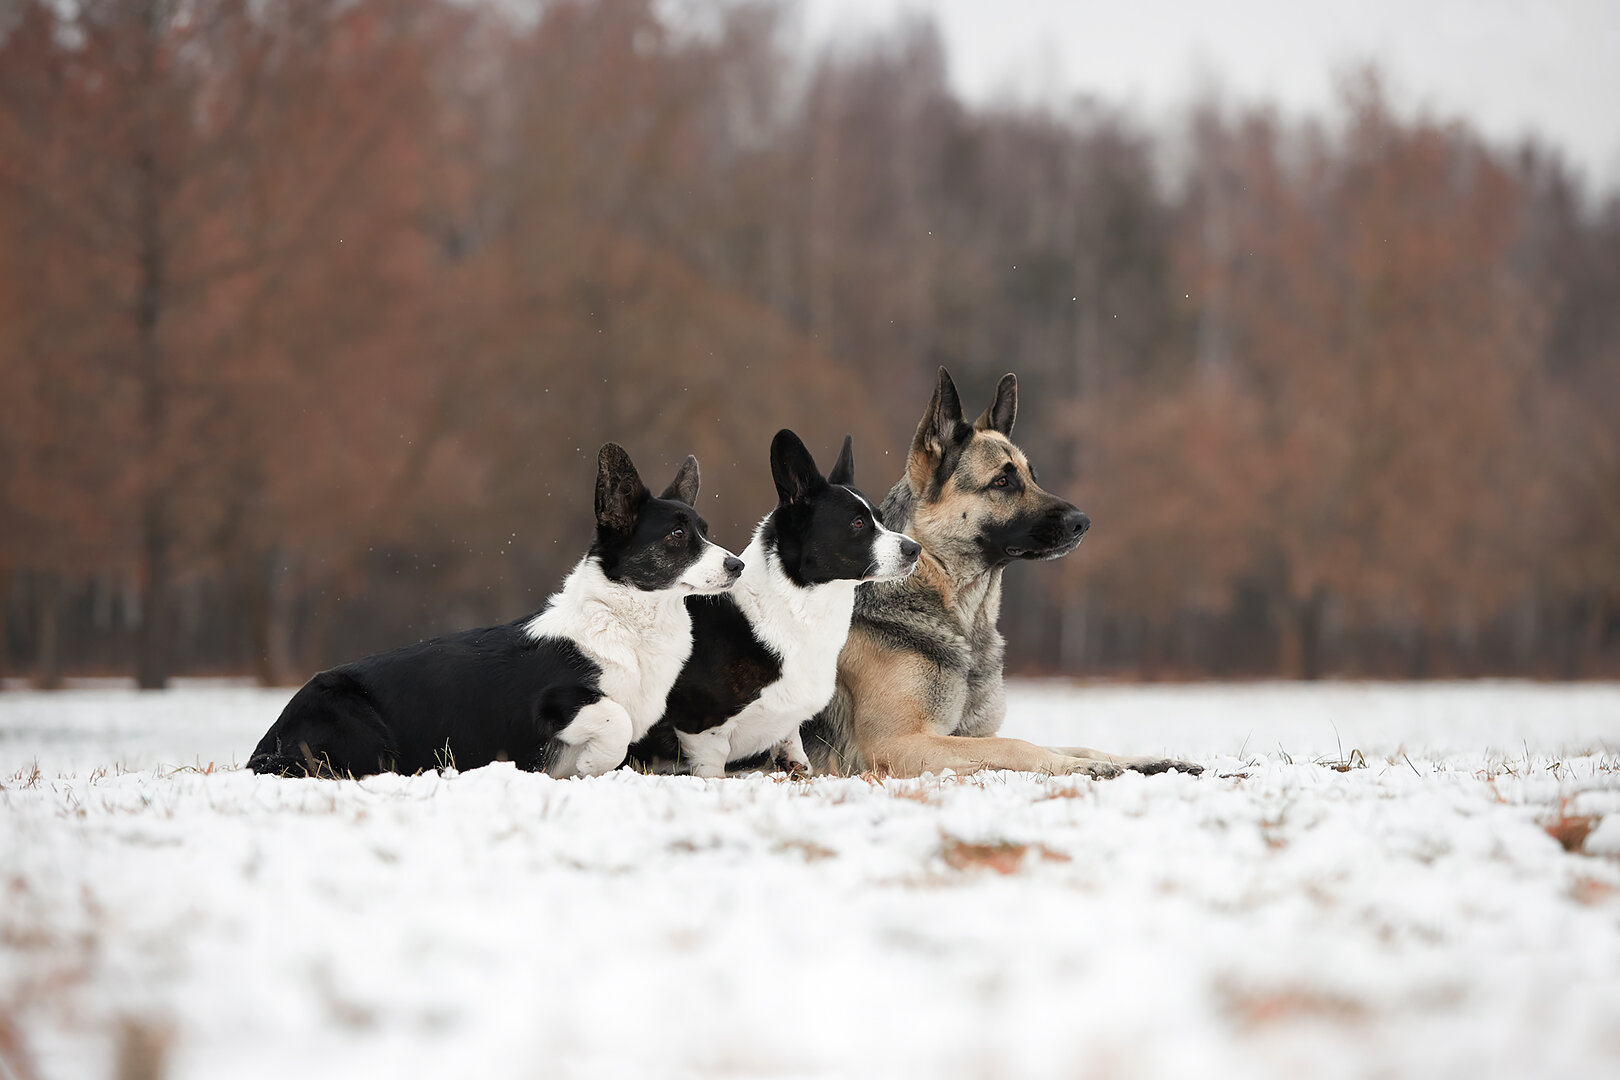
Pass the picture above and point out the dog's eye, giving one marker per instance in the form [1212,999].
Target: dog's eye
[858,524]
[1000,481]
[677,533]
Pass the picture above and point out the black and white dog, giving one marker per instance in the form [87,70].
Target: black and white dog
[765,655]
[566,690]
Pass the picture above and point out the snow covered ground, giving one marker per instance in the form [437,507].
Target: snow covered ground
[161,909]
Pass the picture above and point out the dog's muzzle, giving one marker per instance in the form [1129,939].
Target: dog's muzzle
[1058,535]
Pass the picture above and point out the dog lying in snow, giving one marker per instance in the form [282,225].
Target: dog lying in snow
[566,690]
[919,679]
[765,654]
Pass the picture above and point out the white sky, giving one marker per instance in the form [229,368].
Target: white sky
[1507,66]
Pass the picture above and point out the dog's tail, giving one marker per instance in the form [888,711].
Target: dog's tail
[330,728]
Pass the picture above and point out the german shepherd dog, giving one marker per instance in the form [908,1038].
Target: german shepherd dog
[919,678]
[566,690]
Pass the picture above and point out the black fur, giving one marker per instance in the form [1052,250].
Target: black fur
[820,529]
[636,534]
[464,699]
[729,667]
[1045,533]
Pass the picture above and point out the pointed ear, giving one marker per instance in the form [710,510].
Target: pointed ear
[843,470]
[793,469]
[685,485]
[619,490]
[1002,411]
[942,432]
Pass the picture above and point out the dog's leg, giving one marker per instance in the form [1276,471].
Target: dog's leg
[913,755]
[706,751]
[788,756]
[594,742]
[1148,765]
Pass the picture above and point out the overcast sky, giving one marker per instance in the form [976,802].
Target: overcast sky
[1507,66]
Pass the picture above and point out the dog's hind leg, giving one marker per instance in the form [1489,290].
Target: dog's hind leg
[1148,765]
[330,728]
[596,741]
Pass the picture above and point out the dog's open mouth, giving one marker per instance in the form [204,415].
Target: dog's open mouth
[1056,552]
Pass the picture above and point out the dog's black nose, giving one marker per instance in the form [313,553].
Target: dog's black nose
[733,565]
[909,548]
[1075,522]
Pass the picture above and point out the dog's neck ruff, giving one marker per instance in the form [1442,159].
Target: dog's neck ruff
[640,639]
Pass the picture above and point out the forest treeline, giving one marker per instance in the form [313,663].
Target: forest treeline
[314,312]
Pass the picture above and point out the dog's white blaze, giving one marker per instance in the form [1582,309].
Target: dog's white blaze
[639,639]
[891,564]
[806,627]
[709,573]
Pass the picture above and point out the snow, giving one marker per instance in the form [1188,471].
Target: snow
[1272,918]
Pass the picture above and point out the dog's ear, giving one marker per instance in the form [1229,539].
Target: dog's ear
[1002,411]
[793,469]
[941,434]
[685,485]
[843,470]
[619,490]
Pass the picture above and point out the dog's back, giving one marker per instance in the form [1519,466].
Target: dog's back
[465,699]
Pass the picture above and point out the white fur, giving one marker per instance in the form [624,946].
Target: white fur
[639,639]
[806,627]
[595,741]
[709,573]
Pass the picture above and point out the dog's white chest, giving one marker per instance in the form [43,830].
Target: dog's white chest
[806,628]
[639,640]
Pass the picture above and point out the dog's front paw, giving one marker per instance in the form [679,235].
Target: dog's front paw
[782,762]
[1160,765]
[1095,768]
[597,758]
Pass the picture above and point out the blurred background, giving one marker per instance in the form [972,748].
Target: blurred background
[313,313]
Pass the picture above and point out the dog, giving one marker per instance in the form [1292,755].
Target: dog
[765,654]
[919,679]
[566,690]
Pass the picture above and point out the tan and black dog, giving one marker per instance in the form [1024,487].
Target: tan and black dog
[919,679]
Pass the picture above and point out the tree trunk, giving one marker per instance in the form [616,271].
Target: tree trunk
[48,666]
[151,636]
[151,648]
[257,580]
[320,628]
[5,622]
[1588,652]
[1420,653]
[1309,616]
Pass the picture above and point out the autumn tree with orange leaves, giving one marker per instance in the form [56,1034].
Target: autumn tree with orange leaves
[313,313]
